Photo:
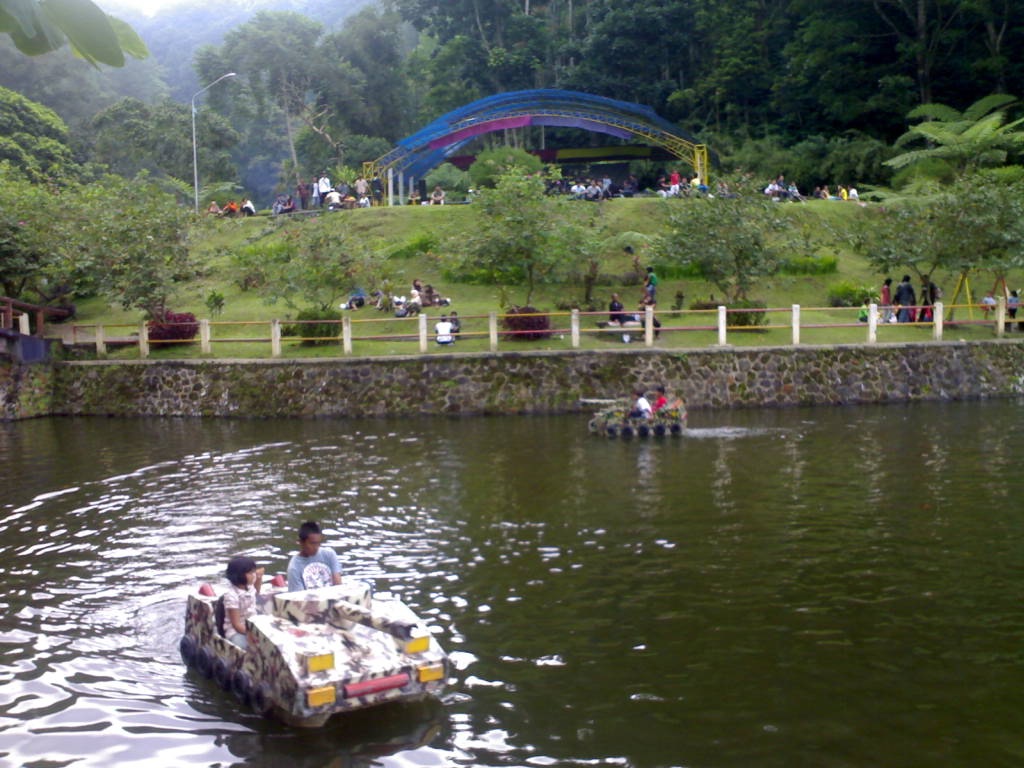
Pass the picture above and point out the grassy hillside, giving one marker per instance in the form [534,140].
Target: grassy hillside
[393,228]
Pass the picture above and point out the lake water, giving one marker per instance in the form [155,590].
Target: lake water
[811,587]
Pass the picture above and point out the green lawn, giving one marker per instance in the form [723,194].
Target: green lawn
[214,241]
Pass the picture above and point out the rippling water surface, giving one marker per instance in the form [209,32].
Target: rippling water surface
[828,587]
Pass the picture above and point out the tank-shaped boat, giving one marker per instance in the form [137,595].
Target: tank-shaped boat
[615,421]
[317,652]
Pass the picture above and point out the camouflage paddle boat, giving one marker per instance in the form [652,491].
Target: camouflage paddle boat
[614,421]
[316,653]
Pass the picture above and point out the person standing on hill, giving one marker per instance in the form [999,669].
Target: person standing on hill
[650,284]
[886,300]
[323,187]
[905,299]
[362,188]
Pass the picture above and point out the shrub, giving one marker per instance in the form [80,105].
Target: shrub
[453,181]
[325,333]
[745,319]
[810,265]
[677,272]
[847,294]
[173,326]
[417,245]
[215,302]
[492,163]
[529,325]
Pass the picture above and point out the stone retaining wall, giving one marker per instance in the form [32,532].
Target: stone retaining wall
[535,382]
[26,391]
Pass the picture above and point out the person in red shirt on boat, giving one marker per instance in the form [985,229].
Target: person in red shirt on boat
[661,401]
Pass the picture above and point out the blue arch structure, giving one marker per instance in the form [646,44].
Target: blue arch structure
[415,155]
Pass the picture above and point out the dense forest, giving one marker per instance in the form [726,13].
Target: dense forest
[817,90]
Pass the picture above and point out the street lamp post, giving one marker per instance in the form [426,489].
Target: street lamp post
[195,151]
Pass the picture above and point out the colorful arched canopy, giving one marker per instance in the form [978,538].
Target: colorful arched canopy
[416,155]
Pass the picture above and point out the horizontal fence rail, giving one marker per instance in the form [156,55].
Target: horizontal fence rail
[564,326]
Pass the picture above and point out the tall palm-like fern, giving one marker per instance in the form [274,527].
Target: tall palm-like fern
[978,137]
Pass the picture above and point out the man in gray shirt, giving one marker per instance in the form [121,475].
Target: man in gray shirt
[314,566]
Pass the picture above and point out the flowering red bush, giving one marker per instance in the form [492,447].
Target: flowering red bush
[530,326]
[173,326]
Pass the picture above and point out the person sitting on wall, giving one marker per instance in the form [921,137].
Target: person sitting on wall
[248,209]
[443,330]
[453,318]
[437,196]
[615,314]
[214,208]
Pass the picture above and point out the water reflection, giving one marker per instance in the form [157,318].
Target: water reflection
[827,587]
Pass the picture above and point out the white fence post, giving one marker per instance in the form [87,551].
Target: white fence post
[1001,317]
[796,323]
[204,337]
[937,312]
[423,334]
[574,328]
[275,338]
[722,339]
[492,330]
[872,323]
[143,339]
[649,325]
[101,344]
[24,329]
[346,327]
[391,187]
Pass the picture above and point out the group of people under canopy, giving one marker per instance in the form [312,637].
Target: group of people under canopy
[436,197]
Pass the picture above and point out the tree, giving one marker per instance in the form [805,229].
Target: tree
[927,29]
[370,44]
[131,136]
[734,241]
[510,239]
[41,26]
[33,138]
[273,54]
[312,264]
[975,138]
[26,254]
[908,238]
[493,164]
[975,223]
[126,239]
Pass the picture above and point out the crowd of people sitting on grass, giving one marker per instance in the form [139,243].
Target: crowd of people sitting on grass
[232,209]
[604,187]
[780,190]
[420,297]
